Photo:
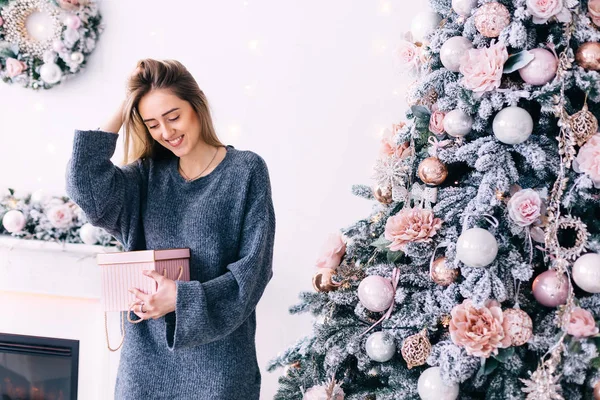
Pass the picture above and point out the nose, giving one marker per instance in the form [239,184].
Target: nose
[168,133]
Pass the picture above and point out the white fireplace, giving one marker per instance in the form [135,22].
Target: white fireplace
[53,290]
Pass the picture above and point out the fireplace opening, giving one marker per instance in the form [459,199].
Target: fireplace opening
[38,368]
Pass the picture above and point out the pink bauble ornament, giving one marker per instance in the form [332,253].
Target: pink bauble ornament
[550,290]
[541,69]
[453,50]
[14,221]
[376,293]
[73,21]
[491,18]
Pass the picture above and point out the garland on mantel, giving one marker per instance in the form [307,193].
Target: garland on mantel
[58,219]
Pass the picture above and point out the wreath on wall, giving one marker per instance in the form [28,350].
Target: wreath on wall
[45,42]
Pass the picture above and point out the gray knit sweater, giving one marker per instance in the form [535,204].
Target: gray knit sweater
[206,348]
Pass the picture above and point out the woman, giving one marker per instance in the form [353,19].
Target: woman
[183,188]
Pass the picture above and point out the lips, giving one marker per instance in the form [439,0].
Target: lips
[176,142]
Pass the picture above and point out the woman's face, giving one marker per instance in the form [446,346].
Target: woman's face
[170,120]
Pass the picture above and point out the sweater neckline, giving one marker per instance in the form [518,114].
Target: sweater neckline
[175,169]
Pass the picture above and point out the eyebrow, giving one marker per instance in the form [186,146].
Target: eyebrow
[171,110]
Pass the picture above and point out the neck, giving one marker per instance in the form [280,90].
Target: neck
[197,160]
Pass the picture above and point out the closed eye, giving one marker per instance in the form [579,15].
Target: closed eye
[171,120]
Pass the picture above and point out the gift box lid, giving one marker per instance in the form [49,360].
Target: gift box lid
[141,256]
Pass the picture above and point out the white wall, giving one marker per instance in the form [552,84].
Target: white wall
[308,85]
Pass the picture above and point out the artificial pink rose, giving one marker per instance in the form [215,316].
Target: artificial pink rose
[482,68]
[479,331]
[15,67]
[71,5]
[436,121]
[389,147]
[524,207]
[1,21]
[411,225]
[332,251]
[542,10]
[60,216]
[407,56]
[581,323]
[588,159]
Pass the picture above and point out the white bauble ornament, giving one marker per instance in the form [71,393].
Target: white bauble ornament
[452,51]
[431,387]
[463,7]
[512,125]
[423,24]
[457,123]
[77,57]
[476,247]
[376,293]
[89,234]
[38,197]
[380,347]
[586,272]
[50,73]
[14,221]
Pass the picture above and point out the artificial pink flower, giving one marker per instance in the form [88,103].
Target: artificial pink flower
[323,393]
[407,56]
[542,10]
[72,5]
[581,323]
[588,159]
[15,67]
[1,21]
[436,121]
[482,68]
[479,331]
[332,251]
[60,216]
[594,11]
[389,147]
[411,225]
[524,207]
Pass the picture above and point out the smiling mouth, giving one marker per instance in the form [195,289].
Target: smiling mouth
[176,141]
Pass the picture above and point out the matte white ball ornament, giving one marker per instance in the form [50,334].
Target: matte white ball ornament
[512,125]
[380,347]
[89,234]
[14,221]
[423,24]
[476,247]
[457,123]
[431,387]
[376,293]
[452,51]
[39,197]
[586,272]
[463,7]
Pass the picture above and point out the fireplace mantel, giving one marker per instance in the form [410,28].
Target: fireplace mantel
[40,267]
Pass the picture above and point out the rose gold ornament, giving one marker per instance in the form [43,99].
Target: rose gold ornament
[588,56]
[518,326]
[491,18]
[323,280]
[432,171]
[441,274]
[583,124]
[383,195]
[416,349]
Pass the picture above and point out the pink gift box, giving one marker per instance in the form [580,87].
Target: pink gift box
[122,271]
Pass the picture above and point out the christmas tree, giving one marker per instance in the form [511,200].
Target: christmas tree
[477,274]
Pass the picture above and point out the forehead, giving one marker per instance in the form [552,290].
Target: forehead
[154,103]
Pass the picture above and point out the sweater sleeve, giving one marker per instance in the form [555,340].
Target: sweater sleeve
[108,195]
[209,311]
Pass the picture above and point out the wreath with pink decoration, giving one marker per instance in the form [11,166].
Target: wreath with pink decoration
[45,42]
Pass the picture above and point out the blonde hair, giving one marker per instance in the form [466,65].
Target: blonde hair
[161,74]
